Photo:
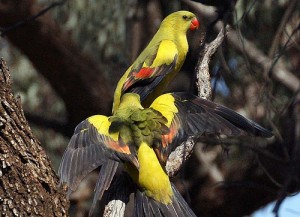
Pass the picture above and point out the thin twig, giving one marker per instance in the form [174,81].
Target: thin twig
[269,175]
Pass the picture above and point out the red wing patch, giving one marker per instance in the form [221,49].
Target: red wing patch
[117,147]
[168,138]
[144,73]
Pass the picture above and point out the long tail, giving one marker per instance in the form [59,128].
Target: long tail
[147,207]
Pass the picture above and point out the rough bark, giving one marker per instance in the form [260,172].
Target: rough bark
[73,75]
[28,183]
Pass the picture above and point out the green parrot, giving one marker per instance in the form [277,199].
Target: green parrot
[142,139]
[160,61]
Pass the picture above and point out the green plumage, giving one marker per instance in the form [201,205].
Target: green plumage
[136,124]
[143,138]
[159,62]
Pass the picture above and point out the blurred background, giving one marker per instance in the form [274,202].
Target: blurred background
[65,65]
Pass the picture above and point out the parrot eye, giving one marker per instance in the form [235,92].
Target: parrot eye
[185,17]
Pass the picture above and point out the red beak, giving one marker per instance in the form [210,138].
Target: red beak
[194,24]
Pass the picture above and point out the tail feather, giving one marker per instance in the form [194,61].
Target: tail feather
[147,207]
[182,203]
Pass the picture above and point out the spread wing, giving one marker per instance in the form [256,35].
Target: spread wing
[150,68]
[92,146]
[189,115]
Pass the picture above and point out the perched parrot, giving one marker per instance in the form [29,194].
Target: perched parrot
[159,62]
[142,139]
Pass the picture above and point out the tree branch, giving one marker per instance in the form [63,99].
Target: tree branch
[182,152]
[29,185]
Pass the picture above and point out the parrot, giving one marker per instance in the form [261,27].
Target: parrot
[141,139]
[160,61]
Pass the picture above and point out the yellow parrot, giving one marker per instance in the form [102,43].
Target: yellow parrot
[159,62]
[142,139]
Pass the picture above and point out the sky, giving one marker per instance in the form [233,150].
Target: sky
[289,208]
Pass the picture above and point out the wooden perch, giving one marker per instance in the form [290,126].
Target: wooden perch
[29,185]
[183,151]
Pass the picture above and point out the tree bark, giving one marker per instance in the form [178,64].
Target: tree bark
[28,183]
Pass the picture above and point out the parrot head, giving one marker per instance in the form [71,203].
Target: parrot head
[182,21]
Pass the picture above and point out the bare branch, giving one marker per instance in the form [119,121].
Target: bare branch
[178,156]
[115,208]
[182,152]
[202,68]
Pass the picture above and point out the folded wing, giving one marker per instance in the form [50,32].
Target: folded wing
[151,67]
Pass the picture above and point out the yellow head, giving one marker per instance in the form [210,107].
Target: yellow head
[181,21]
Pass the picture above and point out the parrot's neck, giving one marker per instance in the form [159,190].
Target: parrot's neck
[180,40]
[129,102]
[152,178]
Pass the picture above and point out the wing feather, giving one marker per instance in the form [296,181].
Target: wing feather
[151,68]
[190,115]
[90,147]
[105,178]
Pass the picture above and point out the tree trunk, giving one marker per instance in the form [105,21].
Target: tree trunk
[28,183]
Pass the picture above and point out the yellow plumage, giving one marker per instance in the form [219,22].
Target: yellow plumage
[143,122]
[165,104]
[152,178]
[160,61]
[101,123]
[143,138]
